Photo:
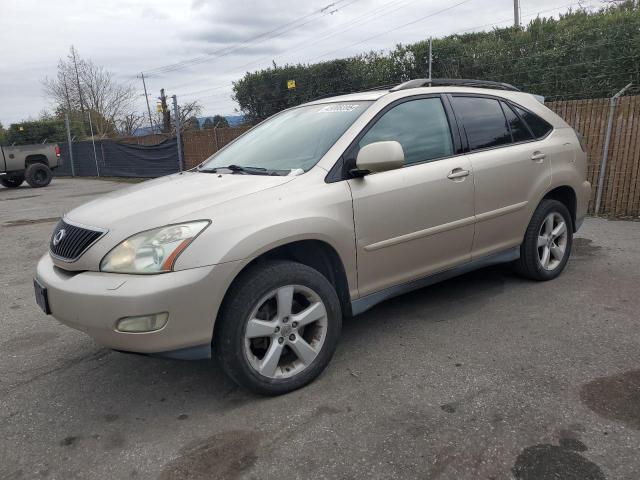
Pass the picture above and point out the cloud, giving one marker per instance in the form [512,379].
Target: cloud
[130,36]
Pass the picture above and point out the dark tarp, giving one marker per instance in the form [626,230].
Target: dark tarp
[120,159]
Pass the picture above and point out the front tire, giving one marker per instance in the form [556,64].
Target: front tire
[279,327]
[38,175]
[12,182]
[547,242]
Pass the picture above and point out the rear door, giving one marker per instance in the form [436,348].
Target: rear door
[511,170]
[415,220]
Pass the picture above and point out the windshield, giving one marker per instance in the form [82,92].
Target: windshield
[290,142]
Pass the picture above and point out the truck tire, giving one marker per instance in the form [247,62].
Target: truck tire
[278,328]
[12,182]
[38,175]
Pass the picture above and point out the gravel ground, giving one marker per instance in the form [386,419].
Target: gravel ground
[486,376]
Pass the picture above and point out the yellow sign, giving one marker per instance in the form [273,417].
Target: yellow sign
[159,107]
[291,84]
[21,128]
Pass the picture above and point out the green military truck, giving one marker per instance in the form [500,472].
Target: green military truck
[33,163]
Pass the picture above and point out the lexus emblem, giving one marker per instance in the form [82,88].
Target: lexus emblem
[59,236]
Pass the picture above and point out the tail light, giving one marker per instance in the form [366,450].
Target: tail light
[57,151]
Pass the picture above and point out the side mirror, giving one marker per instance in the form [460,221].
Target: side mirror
[378,157]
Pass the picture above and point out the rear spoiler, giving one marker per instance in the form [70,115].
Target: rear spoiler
[539,98]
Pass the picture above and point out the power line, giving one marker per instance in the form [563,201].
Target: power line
[432,14]
[372,14]
[269,35]
[535,12]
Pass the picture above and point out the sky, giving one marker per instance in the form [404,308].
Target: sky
[197,48]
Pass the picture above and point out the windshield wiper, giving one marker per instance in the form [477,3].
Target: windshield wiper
[250,170]
[239,169]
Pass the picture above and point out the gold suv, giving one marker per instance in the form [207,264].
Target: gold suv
[318,213]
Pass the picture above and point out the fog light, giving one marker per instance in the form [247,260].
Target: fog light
[144,323]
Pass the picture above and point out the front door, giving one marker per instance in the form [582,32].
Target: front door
[419,219]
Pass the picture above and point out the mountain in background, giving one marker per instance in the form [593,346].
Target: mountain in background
[232,120]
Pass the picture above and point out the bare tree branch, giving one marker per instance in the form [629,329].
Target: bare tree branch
[83,88]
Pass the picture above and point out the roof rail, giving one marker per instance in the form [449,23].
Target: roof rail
[456,82]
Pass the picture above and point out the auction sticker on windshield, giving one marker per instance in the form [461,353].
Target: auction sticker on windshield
[339,107]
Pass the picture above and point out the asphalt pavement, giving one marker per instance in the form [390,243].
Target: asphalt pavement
[486,376]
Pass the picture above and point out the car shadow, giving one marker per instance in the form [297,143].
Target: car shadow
[444,301]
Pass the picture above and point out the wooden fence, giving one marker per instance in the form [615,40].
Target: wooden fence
[621,192]
[200,144]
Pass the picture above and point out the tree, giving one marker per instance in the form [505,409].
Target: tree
[189,112]
[36,131]
[130,123]
[3,135]
[188,115]
[218,121]
[82,88]
[579,55]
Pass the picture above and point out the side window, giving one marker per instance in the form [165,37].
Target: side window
[420,126]
[519,130]
[537,125]
[483,121]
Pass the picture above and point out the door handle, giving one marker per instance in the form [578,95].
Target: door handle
[538,156]
[457,173]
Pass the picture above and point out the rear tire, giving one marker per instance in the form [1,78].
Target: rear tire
[38,175]
[547,242]
[278,328]
[12,182]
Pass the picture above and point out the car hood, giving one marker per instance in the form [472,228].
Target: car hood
[168,199]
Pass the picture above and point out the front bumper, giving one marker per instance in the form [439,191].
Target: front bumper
[94,301]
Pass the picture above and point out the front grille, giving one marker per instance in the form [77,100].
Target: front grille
[71,244]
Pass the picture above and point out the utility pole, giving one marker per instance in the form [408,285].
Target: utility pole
[430,58]
[146,97]
[69,143]
[176,114]
[166,114]
[516,13]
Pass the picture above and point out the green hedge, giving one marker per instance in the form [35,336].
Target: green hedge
[579,55]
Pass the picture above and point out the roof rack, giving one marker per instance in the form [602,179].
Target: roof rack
[457,82]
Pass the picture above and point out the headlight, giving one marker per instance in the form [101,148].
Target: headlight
[153,251]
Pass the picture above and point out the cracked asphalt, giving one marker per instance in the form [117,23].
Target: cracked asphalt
[486,376]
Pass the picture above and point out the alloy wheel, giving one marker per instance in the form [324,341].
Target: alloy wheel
[552,241]
[285,331]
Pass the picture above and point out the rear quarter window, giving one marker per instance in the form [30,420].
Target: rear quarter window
[537,125]
[519,130]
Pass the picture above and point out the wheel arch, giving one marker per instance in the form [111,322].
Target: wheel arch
[566,195]
[312,252]
[36,158]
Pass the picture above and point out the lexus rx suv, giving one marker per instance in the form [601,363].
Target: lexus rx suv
[319,213]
